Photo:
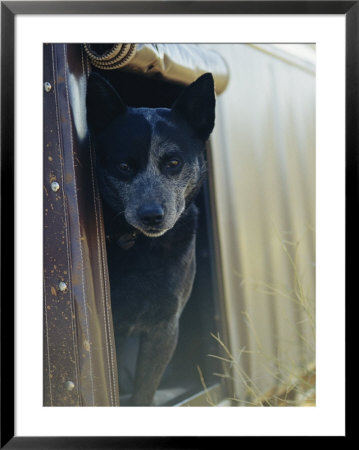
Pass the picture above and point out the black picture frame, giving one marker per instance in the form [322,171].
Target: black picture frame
[9,9]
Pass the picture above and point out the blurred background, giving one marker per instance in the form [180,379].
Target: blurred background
[263,162]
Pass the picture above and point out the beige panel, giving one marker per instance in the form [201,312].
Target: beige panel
[182,63]
[264,174]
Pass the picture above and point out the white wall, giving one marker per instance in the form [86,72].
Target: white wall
[263,153]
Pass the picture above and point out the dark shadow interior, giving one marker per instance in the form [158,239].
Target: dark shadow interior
[200,317]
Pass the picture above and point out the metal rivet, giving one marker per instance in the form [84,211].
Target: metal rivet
[69,385]
[47,86]
[55,186]
[62,286]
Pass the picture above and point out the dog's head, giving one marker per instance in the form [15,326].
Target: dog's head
[150,160]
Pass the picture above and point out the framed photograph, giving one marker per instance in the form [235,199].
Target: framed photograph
[176,219]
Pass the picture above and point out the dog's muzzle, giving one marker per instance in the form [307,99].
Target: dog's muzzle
[150,220]
[151,215]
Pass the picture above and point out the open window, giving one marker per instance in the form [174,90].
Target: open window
[191,370]
[79,359]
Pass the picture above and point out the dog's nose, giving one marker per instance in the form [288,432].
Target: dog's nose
[151,214]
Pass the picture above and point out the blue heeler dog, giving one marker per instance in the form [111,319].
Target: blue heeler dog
[150,165]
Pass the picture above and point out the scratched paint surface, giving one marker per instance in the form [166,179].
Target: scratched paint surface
[78,335]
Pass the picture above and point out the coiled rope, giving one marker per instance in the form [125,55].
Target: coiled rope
[112,58]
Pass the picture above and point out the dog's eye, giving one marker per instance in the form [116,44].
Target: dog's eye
[124,167]
[173,164]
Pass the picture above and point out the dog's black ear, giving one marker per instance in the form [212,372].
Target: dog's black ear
[103,103]
[196,105]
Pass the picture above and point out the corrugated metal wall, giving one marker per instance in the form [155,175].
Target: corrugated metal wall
[263,157]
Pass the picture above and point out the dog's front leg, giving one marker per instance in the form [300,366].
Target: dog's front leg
[156,350]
